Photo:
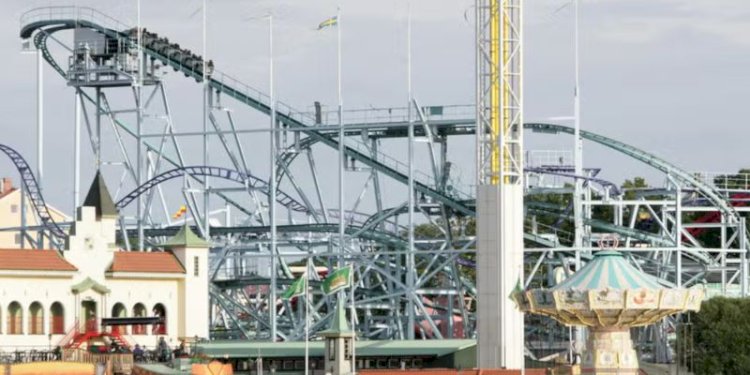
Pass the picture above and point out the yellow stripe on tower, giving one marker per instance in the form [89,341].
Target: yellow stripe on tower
[495,101]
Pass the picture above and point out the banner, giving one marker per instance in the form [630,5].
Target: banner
[337,280]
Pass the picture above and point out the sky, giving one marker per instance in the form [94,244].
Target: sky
[666,76]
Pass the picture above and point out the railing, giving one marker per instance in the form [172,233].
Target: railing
[397,114]
[91,326]
[737,181]
[72,331]
[70,12]
[115,362]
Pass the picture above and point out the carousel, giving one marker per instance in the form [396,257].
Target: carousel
[609,296]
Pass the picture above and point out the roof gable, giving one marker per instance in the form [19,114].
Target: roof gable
[187,239]
[33,260]
[145,262]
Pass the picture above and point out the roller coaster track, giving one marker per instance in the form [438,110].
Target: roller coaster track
[34,193]
[652,160]
[251,182]
[61,18]
[54,19]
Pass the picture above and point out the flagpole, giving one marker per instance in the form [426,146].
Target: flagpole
[307,323]
[342,155]
[272,183]
[410,257]
[352,311]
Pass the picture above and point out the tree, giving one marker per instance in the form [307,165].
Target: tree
[720,337]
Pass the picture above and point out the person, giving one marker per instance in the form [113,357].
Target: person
[138,353]
[180,351]
[163,350]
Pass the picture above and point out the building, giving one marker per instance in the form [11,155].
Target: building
[50,298]
[11,216]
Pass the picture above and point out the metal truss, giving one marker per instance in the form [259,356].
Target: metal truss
[444,294]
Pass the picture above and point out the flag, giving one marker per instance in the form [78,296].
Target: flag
[337,280]
[180,212]
[333,21]
[296,289]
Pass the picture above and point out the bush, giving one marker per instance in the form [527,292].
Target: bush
[721,337]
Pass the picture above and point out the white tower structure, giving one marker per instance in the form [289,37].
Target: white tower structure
[192,252]
[499,182]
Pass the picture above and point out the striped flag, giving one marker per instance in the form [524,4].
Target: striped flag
[337,280]
[333,21]
[296,289]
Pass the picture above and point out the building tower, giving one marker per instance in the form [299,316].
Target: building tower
[192,252]
[499,182]
[339,341]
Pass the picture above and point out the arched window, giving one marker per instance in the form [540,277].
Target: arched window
[160,311]
[36,319]
[139,310]
[15,319]
[57,319]
[119,311]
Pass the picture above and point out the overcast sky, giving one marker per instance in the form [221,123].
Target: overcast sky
[667,76]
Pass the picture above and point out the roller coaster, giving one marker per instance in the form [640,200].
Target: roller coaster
[651,223]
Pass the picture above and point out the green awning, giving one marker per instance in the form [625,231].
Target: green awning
[87,284]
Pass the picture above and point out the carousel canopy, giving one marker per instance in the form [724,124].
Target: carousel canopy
[608,269]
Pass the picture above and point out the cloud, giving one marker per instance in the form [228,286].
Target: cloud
[640,21]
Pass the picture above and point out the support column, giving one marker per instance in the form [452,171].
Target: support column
[610,351]
[500,327]
[77,152]
[39,119]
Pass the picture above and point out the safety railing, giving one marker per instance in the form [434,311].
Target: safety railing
[397,114]
[69,12]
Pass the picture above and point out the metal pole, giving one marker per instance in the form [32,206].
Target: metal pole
[307,322]
[743,257]
[39,118]
[410,256]
[342,154]
[678,236]
[578,164]
[139,151]
[272,195]
[353,319]
[23,215]
[77,153]
[206,199]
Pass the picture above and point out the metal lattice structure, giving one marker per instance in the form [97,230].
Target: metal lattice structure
[444,295]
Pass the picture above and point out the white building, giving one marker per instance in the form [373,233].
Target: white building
[48,298]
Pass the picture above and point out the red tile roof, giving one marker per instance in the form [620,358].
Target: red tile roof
[33,260]
[137,261]
[3,195]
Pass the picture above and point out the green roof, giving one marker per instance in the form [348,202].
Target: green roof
[186,238]
[365,348]
[339,326]
[87,284]
[99,198]
[159,369]
[608,269]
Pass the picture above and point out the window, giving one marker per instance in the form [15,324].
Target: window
[196,269]
[13,208]
[17,238]
[57,319]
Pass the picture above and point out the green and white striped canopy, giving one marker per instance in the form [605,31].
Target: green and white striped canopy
[608,269]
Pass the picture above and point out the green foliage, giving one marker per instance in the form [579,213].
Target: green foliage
[721,337]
